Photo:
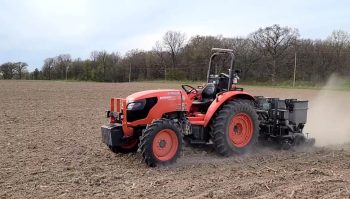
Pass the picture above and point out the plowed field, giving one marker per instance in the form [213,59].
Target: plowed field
[50,147]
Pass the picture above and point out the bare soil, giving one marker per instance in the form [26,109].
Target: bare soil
[51,147]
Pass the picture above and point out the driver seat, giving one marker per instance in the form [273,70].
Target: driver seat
[208,95]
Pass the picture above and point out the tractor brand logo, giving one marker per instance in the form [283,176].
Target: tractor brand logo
[173,93]
[168,97]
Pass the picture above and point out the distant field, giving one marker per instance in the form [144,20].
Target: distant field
[51,147]
[344,85]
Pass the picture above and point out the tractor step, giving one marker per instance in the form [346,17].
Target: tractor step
[197,142]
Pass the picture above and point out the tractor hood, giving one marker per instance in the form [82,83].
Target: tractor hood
[161,93]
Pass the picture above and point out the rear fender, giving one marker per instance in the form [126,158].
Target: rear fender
[221,99]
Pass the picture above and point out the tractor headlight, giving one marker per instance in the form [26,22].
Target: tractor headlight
[136,105]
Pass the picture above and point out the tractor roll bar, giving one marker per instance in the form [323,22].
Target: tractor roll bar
[222,51]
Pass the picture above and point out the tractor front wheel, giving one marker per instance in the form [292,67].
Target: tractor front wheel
[235,128]
[130,147]
[160,143]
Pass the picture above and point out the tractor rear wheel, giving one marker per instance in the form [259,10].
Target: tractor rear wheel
[235,128]
[161,143]
[130,147]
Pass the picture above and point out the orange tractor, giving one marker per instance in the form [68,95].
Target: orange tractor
[156,122]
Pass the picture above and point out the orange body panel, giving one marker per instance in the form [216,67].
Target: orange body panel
[197,119]
[170,100]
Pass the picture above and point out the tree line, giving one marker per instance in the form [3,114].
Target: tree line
[268,54]
[14,70]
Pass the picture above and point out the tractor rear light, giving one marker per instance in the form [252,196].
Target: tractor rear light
[112,120]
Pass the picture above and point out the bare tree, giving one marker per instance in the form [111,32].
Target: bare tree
[19,68]
[7,70]
[48,64]
[103,62]
[36,74]
[61,64]
[174,42]
[158,49]
[100,59]
[246,55]
[274,41]
[340,40]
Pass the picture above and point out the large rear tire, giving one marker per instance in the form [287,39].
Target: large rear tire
[235,128]
[161,143]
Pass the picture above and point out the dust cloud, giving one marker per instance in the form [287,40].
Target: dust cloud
[329,114]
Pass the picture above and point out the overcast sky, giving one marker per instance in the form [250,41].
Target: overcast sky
[32,30]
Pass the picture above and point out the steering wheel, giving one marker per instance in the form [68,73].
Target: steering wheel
[224,75]
[190,90]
